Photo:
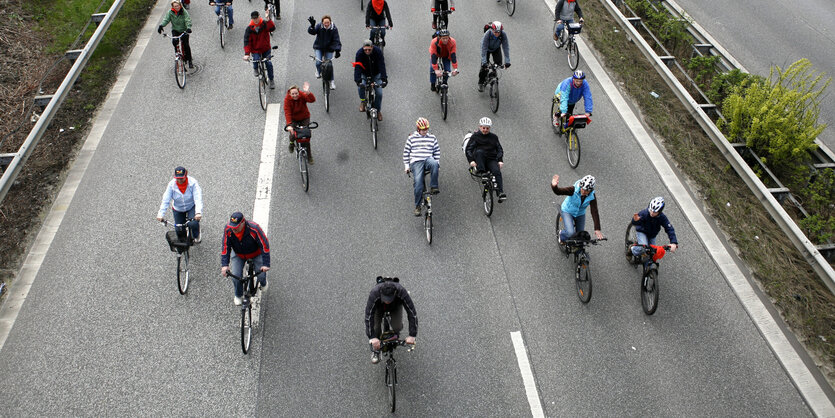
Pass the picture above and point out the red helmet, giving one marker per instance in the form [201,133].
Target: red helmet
[422,123]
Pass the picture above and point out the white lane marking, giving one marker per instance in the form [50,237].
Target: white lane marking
[19,289]
[527,374]
[264,188]
[794,366]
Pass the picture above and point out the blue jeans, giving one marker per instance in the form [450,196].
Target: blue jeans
[180,217]
[417,168]
[381,22]
[236,267]
[257,56]
[447,65]
[319,55]
[571,225]
[642,240]
[560,26]
[228,9]
[378,91]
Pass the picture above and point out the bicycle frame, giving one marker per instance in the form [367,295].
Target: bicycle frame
[370,98]
[377,38]
[443,18]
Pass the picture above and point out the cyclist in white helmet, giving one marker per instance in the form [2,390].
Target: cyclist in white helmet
[484,152]
[581,195]
[648,224]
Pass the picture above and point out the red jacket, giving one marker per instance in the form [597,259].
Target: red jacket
[438,50]
[296,110]
[258,41]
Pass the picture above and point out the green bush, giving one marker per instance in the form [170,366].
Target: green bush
[778,117]
[672,32]
[723,84]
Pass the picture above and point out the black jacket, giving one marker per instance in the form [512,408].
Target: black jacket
[327,40]
[401,298]
[488,144]
[370,13]
[370,65]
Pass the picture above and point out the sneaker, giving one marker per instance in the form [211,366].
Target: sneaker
[278,17]
[433,88]
[434,190]
[190,65]
[310,160]
[198,239]
[362,106]
[383,43]
[559,237]
[434,25]
[272,84]
[502,197]
[265,285]
[333,85]
[255,72]
[318,74]
[237,301]
[480,87]
[375,357]
[417,210]
[291,146]
[230,26]
[380,116]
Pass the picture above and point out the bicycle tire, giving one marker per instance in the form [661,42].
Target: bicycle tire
[649,292]
[391,384]
[374,127]
[326,89]
[302,156]
[555,107]
[262,91]
[582,277]
[221,22]
[494,95]
[180,72]
[487,198]
[444,102]
[510,5]
[427,226]
[573,55]
[558,225]
[572,148]
[630,238]
[183,272]
[246,328]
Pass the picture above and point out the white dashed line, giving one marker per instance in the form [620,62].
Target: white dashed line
[527,374]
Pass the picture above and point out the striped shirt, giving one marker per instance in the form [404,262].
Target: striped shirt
[420,147]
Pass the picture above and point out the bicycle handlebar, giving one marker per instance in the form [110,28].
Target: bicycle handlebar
[168,223]
[378,27]
[576,242]
[165,35]
[442,12]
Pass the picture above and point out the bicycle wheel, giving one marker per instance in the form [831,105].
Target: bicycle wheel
[582,276]
[487,197]
[180,72]
[572,148]
[303,169]
[649,292]
[555,108]
[374,127]
[629,239]
[182,272]
[573,54]
[510,5]
[494,96]
[391,384]
[326,89]
[246,328]
[262,91]
[553,31]
[427,225]
[222,23]
[444,102]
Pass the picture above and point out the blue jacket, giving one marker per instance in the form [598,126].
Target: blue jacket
[570,95]
[370,65]
[574,204]
[253,244]
[326,39]
[652,226]
[182,202]
[490,43]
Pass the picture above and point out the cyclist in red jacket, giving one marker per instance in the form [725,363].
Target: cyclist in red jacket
[296,113]
[257,43]
[244,240]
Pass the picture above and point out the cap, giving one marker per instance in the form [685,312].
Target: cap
[180,172]
[236,219]
[254,14]
[367,42]
[387,292]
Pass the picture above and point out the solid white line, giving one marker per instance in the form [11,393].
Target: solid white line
[803,379]
[527,374]
[19,289]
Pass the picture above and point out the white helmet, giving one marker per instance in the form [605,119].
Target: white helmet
[656,204]
[485,121]
[496,26]
[587,183]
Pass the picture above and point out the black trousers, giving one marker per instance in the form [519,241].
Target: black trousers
[396,309]
[484,163]
[186,46]
[497,58]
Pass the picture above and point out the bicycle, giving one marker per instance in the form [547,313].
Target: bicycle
[179,62]
[222,21]
[577,245]
[566,37]
[327,77]
[181,247]
[250,285]
[443,18]
[649,275]
[388,343]
[442,88]
[370,110]
[510,6]
[377,36]
[426,208]
[262,79]
[301,151]
[492,83]
[488,188]
[569,130]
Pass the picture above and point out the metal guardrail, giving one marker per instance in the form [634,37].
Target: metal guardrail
[16,160]
[808,249]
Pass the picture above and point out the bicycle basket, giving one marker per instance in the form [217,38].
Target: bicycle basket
[578,121]
[302,134]
[574,28]
[174,242]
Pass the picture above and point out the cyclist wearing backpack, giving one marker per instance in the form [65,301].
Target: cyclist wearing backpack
[442,50]
[492,44]
[564,13]
[648,224]
[388,296]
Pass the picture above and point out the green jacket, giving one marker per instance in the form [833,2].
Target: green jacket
[179,21]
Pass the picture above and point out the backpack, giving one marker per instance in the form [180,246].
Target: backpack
[381,279]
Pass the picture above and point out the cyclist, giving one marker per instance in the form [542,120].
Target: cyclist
[277,4]
[492,44]
[388,296]
[326,44]
[443,49]
[257,43]
[228,9]
[564,13]
[296,113]
[420,153]
[370,65]
[484,152]
[570,91]
[573,210]
[185,197]
[648,223]
[439,5]
[180,22]
[244,240]
[374,16]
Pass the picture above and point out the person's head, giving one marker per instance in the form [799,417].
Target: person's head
[255,16]
[180,174]
[587,184]
[484,124]
[293,91]
[443,35]
[367,46]
[496,27]
[577,78]
[388,292]
[176,5]
[237,221]
[326,21]
[656,206]
[422,125]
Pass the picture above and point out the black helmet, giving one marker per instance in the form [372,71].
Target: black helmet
[443,32]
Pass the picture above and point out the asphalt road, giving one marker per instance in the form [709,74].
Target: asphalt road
[762,34]
[105,332]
